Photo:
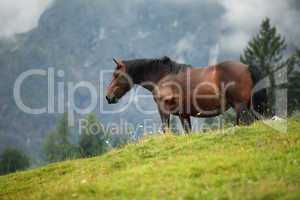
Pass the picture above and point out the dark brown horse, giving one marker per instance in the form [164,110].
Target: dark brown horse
[151,73]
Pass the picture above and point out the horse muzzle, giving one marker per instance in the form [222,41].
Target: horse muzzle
[111,100]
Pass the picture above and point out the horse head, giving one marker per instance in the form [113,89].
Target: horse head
[120,84]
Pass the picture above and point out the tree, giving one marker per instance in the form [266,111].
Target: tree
[265,55]
[119,140]
[294,93]
[92,138]
[293,84]
[12,160]
[57,146]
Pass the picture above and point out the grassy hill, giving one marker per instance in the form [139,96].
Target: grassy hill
[254,162]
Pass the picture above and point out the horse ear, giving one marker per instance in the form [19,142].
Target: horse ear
[119,63]
[165,59]
[115,61]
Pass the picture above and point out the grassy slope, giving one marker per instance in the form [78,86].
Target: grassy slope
[254,163]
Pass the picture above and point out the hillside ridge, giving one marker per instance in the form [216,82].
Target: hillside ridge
[254,162]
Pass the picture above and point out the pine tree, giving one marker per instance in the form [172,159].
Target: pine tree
[265,55]
[92,138]
[57,146]
[12,160]
[63,129]
[293,82]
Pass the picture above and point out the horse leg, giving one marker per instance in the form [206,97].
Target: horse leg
[237,107]
[189,123]
[165,120]
[242,110]
[186,123]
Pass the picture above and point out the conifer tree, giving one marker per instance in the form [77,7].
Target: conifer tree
[265,55]
[57,146]
[92,138]
[293,84]
[12,160]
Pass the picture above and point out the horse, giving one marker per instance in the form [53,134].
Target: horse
[205,92]
[149,73]
[144,72]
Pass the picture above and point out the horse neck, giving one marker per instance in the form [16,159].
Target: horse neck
[149,80]
[149,72]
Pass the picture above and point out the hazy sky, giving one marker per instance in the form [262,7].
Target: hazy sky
[18,16]
[240,18]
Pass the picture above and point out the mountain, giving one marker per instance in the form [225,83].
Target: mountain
[81,38]
[254,162]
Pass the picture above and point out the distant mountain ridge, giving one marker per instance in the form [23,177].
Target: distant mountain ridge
[81,37]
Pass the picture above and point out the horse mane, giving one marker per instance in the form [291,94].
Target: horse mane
[138,68]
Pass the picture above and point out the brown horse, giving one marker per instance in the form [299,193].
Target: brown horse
[205,92]
[151,73]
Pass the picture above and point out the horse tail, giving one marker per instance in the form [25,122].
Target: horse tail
[259,99]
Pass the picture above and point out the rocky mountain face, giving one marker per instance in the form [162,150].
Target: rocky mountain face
[81,38]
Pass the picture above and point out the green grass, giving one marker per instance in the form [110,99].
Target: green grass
[256,162]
